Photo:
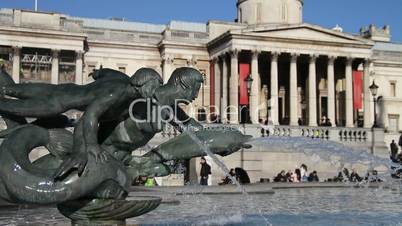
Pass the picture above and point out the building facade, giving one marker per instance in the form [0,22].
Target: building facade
[301,72]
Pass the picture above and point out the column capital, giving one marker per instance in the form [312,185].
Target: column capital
[331,59]
[313,58]
[55,53]
[293,56]
[349,61]
[16,50]
[275,55]
[255,53]
[234,53]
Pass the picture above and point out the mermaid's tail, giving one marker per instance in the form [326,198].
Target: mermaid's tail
[25,182]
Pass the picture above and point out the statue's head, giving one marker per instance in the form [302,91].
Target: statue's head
[187,82]
[146,80]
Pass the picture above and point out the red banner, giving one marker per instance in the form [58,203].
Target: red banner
[212,86]
[244,72]
[357,90]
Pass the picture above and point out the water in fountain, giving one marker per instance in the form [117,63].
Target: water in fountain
[219,163]
[323,150]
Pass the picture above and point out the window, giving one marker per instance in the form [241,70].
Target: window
[393,121]
[393,89]
[122,69]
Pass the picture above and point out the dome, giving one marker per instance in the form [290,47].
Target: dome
[270,11]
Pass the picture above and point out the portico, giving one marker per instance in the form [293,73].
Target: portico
[308,78]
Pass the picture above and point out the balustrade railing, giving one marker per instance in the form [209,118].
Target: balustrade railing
[358,136]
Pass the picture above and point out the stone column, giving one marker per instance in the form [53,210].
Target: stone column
[16,64]
[312,92]
[274,88]
[331,90]
[349,92]
[224,101]
[368,123]
[234,88]
[166,68]
[55,66]
[293,90]
[217,90]
[78,68]
[255,89]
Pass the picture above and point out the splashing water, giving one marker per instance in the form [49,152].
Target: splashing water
[322,150]
[218,162]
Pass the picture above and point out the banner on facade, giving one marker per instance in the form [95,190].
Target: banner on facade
[244,72]
[357,90]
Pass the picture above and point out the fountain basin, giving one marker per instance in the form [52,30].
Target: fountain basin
[106,211]
[292,204]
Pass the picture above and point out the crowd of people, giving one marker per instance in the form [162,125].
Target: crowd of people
[346,176]
[298,175]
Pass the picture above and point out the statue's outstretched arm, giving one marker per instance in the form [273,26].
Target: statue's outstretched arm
[35,107]
[91,119]
[23,91]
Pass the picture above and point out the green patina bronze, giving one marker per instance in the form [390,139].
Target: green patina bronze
[93,168]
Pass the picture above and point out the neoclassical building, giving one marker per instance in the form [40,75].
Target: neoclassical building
[301,72]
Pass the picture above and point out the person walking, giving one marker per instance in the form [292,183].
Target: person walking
[205,171]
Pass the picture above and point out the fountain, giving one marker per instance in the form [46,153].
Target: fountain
[88,173]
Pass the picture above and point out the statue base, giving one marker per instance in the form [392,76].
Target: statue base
[106,212]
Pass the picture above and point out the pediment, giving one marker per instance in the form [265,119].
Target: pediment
[305,32]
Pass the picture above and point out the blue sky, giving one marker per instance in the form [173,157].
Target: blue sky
[350,14]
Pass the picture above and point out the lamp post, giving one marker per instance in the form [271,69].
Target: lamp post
[201,112]
[374,90]
[249,82]
[204,79]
